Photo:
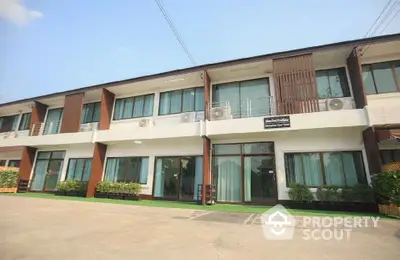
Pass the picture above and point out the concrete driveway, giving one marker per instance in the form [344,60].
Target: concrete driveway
[32,228]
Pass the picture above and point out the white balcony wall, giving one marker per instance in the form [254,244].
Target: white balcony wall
[321,140]
[384,108]
[152,149]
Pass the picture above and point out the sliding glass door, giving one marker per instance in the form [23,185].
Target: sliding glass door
[177,178]
[244,173]
[53,121]
[47,170]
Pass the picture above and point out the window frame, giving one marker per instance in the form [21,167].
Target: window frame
[16,117]
[83,168]
[346,82]
[394,74]
[21,121]
[125,157]
[181,96]
[13,160]
[321,159]
[392,154]
[93,113]
[133,106]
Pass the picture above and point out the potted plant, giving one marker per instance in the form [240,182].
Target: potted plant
[102,189]
[329,198]
[387,189]
[301,196]
[359,197]
[132,191]
[8,180]
[83,188]
[116,190]
[61,189]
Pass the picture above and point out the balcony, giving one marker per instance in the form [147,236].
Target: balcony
[383,109]
[44,134]
[260,115]
[188,124]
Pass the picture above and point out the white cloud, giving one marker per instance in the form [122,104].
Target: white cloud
[15,12]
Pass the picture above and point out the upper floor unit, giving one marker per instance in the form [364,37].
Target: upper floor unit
[347,84]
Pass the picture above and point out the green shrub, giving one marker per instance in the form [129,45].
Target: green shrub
[8,179]
[358,193]
[300,192]
[328,193]
[118,187]
[387,186]
[69,185]
[133,188]
[104,186]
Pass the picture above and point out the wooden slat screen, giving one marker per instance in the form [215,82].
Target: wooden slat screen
[356,78]
[295,85]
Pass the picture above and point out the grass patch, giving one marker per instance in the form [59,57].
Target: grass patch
[193,206]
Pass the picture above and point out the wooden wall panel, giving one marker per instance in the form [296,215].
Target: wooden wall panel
[356,78]
[206,167]
[372,151]
[27,160]
[207,94]
[107,103]
[71,119]
[295,85]
[37,117]
[96,174]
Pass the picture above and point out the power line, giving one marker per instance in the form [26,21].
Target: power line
[391,20]
[383,10]
[391,9]
[171,25]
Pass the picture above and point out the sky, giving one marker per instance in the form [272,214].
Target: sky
[48,46]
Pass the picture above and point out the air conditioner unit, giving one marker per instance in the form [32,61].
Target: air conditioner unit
[221,113]
[187,117]
[143,123]
[336,104]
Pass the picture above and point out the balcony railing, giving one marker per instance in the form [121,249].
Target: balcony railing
[47,128]
[244,108]
[88,127]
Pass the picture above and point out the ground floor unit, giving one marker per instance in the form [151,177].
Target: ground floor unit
[252,168]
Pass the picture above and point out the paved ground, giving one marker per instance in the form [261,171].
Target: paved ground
[32,228]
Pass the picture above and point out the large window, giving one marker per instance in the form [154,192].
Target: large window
[90,113]
[332,83]
[79,169]
[389,156]
[127,169]
[3,162]
[25,122]
[382,77]
[245,99]
[134,107]
[14,163]
[53,121]
[328,168]
[8,123]
[181,101]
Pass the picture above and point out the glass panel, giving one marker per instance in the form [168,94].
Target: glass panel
[188,100]
[359,167]
[132,169]
[144,169]
[187,178]
[57,155]
[228,178]
[159,179]
[349,169]
[71,169]
[25,122]
[8,123]
[198,175]
[338,83]
[199,99]
[254,97]
[79,169]
[384,78]
[312,169]
[84,114]
[257,148]
[334,174]
[228,95]
[397,69]
[14,163]
[165,100]
[53,121]
[111,170]
[128,108]
[120,171]
[176,101]
[167,173]
[118,110]
[39,175]
[96,114]
[368,80]
[226,149]
[87,170]
[53,174]
[138,107]
[294,169]
[3,162]
[43,155]
[386,156]
[322,84]
[259,178]
[148,105]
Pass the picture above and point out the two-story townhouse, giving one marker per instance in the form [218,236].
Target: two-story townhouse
[317,116]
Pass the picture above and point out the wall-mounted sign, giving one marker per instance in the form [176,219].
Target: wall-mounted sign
[276,122]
